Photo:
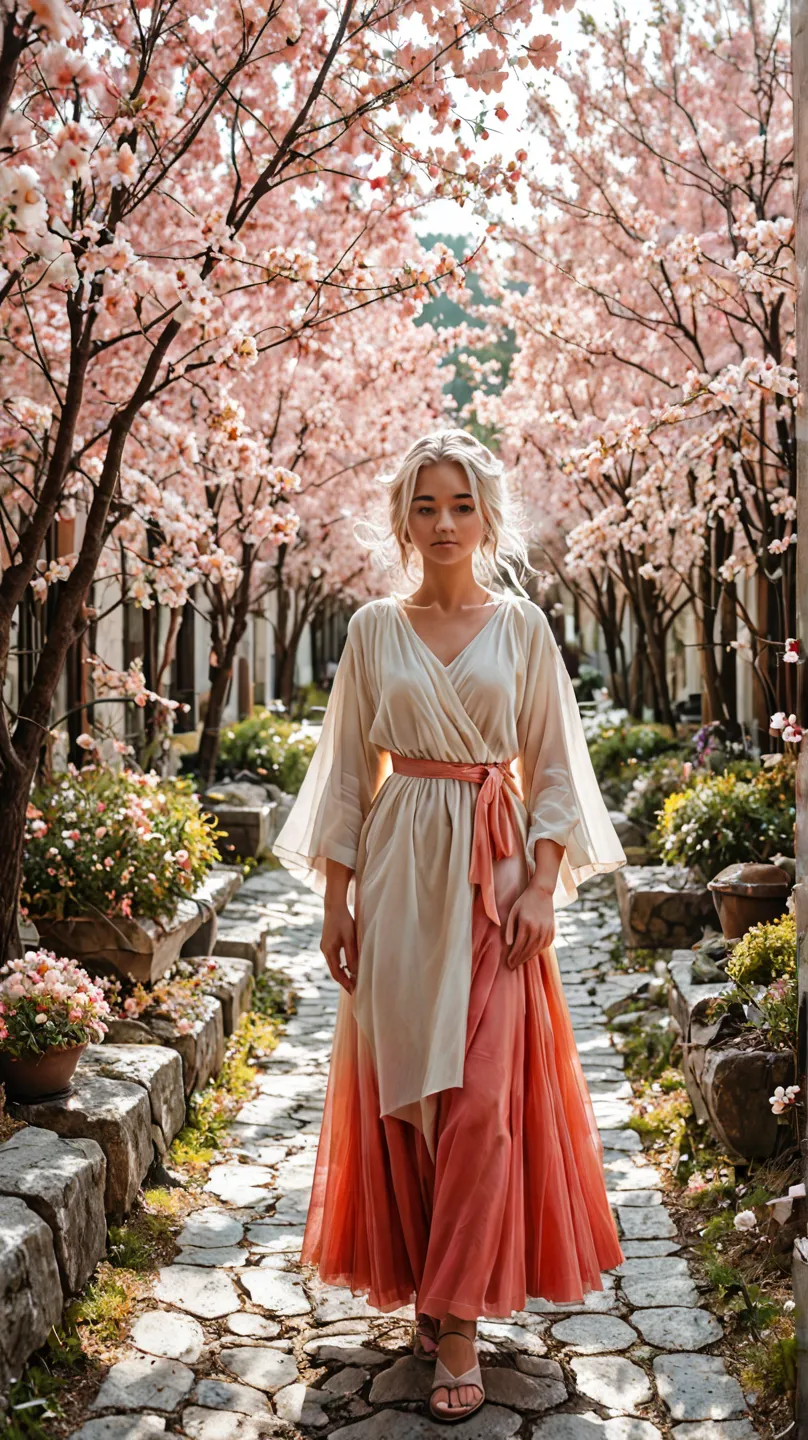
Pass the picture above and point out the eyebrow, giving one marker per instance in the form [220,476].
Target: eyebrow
[464,496]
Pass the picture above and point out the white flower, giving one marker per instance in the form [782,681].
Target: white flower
[85,741]
[745,1220]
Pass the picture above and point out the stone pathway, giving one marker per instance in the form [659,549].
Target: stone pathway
[242,1345]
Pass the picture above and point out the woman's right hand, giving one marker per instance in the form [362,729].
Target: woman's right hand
[339,935]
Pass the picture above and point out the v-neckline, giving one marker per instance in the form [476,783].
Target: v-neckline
[446,665]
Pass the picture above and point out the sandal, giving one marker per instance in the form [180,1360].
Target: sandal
[425,1337]
[445,1380]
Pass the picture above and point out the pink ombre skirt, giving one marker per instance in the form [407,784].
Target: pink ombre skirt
[514,1202]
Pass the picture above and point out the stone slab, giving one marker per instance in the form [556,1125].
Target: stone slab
[63,1181]
[715,1430]
[199,1291]
[201,1049]
[280,1294]
[114,1113]
[240,1185]
[211,1228]
[244,940]
[225,1257]
[492,1422]
[30,1289]
[594,1334]
[228,1395]
[122,1427]
[173,1337]
[698,1387]
[199,1423]
[678,1327]
[157,1068]
[232,985]
[146,1383]
[245,1323]
[259,1366]
[612,1380]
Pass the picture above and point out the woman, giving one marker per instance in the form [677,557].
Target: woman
[451,796]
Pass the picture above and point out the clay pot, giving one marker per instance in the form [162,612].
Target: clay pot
[748,894]
[39,1077]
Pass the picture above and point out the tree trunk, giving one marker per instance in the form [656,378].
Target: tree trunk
[220,677]
[15,786]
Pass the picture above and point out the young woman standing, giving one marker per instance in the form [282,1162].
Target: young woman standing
[451,799]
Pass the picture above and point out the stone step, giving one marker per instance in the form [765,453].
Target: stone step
[114,1113]
[63,1181]
[158,1068]
[30,1289]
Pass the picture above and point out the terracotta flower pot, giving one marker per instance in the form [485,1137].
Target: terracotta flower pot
[39,1077]
[748,894]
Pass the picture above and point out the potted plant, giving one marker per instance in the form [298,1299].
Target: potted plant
[112,860]
[50,1010]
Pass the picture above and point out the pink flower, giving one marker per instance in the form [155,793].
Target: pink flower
[85,741]
[792,652]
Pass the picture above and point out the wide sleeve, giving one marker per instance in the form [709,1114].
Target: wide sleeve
[560,790]
[330,809]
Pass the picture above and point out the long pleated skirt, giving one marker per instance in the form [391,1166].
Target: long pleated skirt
[513,1202]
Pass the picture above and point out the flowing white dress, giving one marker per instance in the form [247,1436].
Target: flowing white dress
[445,1062]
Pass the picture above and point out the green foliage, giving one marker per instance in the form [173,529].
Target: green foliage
[616,750]
[726,818]
[270,745]
[105,842]
[650,788]
[33,1405]
[770,1366]
[765,953]
[309,697]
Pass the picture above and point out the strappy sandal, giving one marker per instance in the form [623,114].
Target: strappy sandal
[425,1337]
[445,1380]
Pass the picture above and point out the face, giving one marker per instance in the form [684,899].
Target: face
[443,523]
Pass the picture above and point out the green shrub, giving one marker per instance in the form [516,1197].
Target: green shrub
[625,745]
[727,818]
[270,745]
[107,842]
[650,788]
[765,953]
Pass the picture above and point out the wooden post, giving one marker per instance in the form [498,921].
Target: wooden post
[799,40]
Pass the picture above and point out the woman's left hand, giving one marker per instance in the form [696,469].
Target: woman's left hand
[530,927]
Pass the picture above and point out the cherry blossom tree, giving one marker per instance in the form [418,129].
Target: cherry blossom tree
[157,163]
[651,401]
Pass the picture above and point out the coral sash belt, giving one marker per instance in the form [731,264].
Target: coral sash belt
[494,833]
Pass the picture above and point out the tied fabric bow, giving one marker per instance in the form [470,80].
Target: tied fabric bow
[494,834]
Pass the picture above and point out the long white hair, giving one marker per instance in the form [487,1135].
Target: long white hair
[502,546]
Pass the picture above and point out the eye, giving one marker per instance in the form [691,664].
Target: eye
[466,509]
[424,510]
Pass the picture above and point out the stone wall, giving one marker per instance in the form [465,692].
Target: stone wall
[81,1159]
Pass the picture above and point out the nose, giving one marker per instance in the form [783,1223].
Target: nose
[444,521]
